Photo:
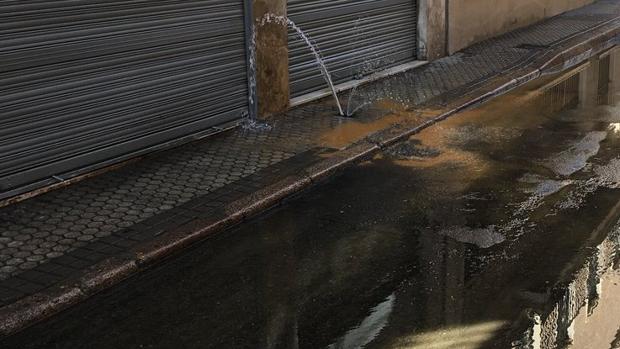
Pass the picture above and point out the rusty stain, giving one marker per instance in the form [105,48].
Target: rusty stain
[354,130]
[518,110]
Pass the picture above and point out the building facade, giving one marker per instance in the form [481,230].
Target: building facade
[87,85]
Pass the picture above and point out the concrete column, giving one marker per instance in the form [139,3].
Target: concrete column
[432,29]
[272,81]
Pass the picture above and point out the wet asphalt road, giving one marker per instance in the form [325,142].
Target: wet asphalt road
[441,242]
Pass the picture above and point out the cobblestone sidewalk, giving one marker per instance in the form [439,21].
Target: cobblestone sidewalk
[50,238]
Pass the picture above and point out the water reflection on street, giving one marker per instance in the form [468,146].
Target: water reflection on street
[453,239]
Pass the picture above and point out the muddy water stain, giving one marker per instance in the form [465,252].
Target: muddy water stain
[353,130]
[383,114]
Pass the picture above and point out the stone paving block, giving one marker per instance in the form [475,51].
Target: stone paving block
[54,268]
[87,255]
[71,262]
[40,277]
[121,242]
[103,248]
[25,287]
[14,283]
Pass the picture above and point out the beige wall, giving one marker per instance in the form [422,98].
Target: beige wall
[474,20]
[468,21]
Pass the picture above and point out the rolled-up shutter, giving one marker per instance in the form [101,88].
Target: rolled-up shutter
[355,37]
[83,82]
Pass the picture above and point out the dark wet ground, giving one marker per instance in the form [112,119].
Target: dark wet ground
[441,242]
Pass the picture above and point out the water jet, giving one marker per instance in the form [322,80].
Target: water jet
[271,18]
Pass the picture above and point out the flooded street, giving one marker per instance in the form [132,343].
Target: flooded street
[456,238]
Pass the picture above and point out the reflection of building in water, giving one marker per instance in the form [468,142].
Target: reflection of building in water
[562,93]
[444,280]
[588,81]
[603,80]
[590,85]
[599,81]
[431,289]
[610,74]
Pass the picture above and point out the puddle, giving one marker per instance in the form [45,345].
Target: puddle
[468,134]
[602,176]
[608,175]
[481,237]
[539,188]
[449,240]
[411,150]
[576,157]
[368,329]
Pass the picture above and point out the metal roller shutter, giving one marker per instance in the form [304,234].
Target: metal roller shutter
[82,82]
[354,36]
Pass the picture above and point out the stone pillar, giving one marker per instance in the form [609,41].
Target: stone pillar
[272,81]
[432,29]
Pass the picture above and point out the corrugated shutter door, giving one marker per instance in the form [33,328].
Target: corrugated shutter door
[88,81]
[354,36]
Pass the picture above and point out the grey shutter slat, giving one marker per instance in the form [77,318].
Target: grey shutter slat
[355,37]
[86,82]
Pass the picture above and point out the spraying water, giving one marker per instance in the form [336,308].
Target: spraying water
[351,111]
[271,18]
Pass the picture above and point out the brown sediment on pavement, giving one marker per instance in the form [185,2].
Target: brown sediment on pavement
[399,115]
[105,274]
[351,132]
[507,122]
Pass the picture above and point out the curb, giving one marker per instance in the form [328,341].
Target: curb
[35,308]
